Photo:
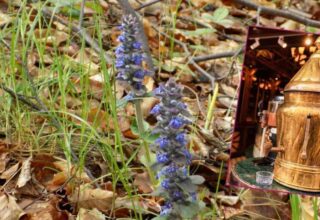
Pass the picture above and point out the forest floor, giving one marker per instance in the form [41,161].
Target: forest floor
[69,147]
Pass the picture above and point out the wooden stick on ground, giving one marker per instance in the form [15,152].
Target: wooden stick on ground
[279,12]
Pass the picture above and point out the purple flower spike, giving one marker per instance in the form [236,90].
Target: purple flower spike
[130,57]
[173,157]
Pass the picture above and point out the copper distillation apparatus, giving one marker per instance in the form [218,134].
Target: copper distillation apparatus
[297,164]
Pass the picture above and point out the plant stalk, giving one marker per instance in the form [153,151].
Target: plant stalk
[139,117]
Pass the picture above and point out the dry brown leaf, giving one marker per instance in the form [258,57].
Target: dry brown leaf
[228,90]
[45,210]
[9,209]
[63,166]
[4,19]
[94,214]
[142,181]
[87,197]
[3,161]
[10,172]
[25,174]
[198,146]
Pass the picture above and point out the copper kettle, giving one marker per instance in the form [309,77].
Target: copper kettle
[298,129]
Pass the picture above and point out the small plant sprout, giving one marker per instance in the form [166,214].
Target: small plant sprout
[177,187]
[129,59]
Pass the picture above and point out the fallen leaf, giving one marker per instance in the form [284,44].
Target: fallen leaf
[94,214]
[3,161]
[87,197]
[10,172]
[142,181]
[25,174]
[9,209]
[45,210]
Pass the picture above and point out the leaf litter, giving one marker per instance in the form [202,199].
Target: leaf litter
[59,189]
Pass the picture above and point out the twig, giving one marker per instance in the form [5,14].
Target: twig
[83,3]
[92,42]
[147,4]
[198,100]
[189,56]
[278,12]
[127,8]
[217,55]
[19,97]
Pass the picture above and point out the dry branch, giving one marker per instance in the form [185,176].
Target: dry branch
[147,4]
[217,55]
[280,12]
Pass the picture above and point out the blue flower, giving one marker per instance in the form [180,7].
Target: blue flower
[159,91]
[181,138]
[193,196]
[165,184]
[182,105]
[119,50]
[162,142]
[177,194]
[166,209]
[170,170]
[139,74]
[177,122]
[156,110]
[137,45]
[120,63]
[129,56]
[121,38]
[162,158]
[137,59]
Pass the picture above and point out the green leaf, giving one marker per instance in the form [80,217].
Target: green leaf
[160,218]
[220,14]
[134,127]
[145,162]
[188,211]
[196,179]
[150,138]
[187,186]
[200,31]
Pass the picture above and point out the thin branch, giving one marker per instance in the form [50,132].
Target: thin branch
[147,4]
[92,42]
[20,98]
[280,12]
[189,56]
[127,8]
[218,55]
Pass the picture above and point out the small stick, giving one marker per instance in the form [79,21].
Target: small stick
[281,13]
[147,4]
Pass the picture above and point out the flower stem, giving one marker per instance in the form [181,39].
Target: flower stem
[139,117]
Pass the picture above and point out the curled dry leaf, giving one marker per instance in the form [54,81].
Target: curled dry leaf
[25,174]
[94,214]
[9,209]
[45,210]
[87,197]
[10,172]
